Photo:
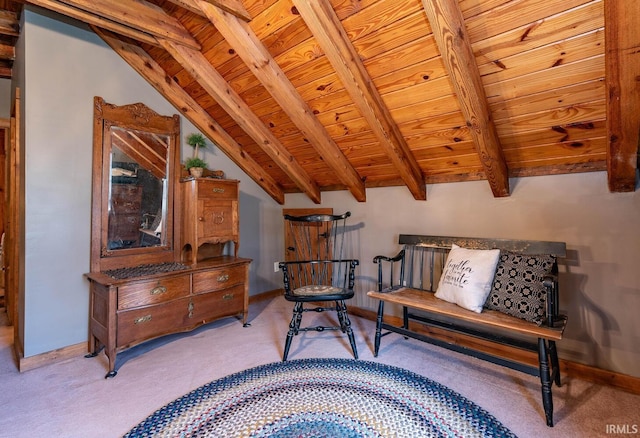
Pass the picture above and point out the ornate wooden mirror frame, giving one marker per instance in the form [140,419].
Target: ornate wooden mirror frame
[134,189]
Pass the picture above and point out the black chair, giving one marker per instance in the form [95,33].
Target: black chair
[317,274]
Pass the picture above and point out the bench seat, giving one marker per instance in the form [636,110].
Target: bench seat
[426,301]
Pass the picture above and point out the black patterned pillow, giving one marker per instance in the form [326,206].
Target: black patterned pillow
[517,286]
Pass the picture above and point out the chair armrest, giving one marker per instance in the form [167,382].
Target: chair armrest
[299,272]
[354,262]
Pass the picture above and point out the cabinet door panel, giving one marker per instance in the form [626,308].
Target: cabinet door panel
[153,291]
[218,279]
[216,219]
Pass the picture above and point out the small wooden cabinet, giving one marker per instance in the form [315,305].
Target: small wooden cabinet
[126,312]
[210,217]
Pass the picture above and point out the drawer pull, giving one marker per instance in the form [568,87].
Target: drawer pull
[190,308]
[218,190]
[227,297]
[158,290]
[222,278]
[142,319]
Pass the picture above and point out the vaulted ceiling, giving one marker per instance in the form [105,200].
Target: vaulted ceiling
[316,95]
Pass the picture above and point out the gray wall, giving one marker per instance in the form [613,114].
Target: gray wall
[600,279]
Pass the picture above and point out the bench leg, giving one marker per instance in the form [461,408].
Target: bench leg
[545,380]
[555,364]
[376,344]
[405,319]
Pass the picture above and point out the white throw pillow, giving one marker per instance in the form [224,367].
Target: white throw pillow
[467,277]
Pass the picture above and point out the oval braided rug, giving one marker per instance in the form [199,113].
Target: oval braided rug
[322,398]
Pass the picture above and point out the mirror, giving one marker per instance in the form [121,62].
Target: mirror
[138,191]
[134,173]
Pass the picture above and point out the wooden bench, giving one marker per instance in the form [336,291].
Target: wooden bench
[410,278]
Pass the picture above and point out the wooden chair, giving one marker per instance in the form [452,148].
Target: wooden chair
[318,274]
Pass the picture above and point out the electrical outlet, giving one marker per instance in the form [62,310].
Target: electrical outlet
[276,266]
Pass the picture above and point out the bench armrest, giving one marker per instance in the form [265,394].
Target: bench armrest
[389,282]
[381,258]
[550,283]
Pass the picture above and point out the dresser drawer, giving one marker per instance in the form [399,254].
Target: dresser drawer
[126,198]
[152,292]
[218,279]
[126,206]
[217,189]
[207,307]
[137,325]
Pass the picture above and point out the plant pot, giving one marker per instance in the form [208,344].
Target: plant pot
[196,171]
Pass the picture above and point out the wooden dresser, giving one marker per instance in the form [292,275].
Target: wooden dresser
[136,303]
[127,311]
[190,274]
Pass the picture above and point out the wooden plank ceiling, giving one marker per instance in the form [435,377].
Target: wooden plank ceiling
[309,96]
[9,33]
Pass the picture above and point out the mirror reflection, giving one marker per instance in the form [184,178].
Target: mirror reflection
[138,190]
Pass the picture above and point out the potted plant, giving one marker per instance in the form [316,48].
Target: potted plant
[195,166]
[196,141]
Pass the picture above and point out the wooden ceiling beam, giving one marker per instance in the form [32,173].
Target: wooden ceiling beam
[7,52]
[132,146]
[9,24]
[254,54]
[622,66]
[232,6]
[96,20]
[329,33]
[141,15]
[211,81]
[189,5]
[450,33]
[140,61]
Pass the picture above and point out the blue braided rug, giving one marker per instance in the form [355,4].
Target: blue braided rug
[322,398]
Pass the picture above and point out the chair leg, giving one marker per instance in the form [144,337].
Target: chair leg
[294,326]
[345,325]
